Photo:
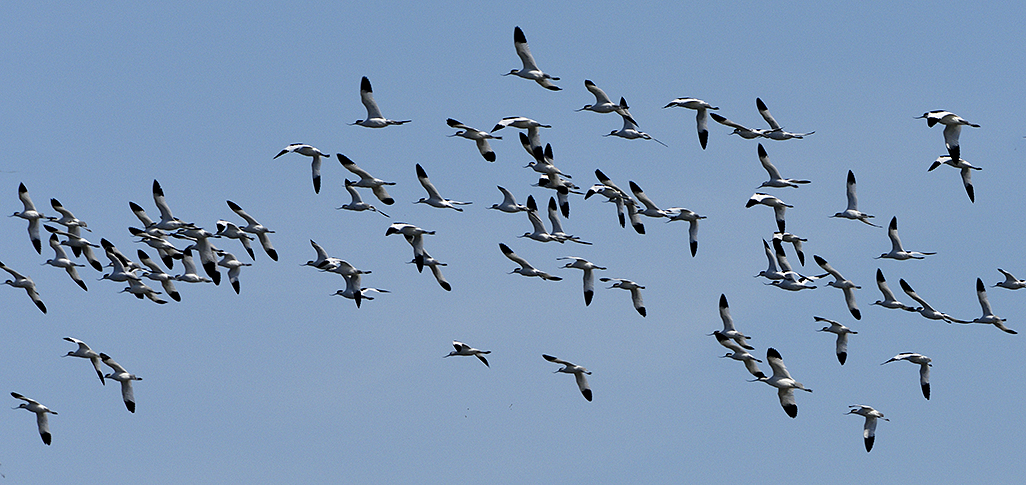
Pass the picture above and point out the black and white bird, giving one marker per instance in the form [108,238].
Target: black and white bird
[701,118]
[480,137]
[234,266]
[41,411]
[739,129]
[779,207]
[315,166]
[897,251]
[85,352]
[557,225]
[889,301]
[30,214]
[988,315]
[589,274]
[781,379]
[692,217]
[852,212]
[67,219]
[794,240]
[842,283]
[434,198]
[728,325]
[530,69]
[842,332]
[230,230]
[602,102]
[157,274]
[519,122]
[60,260]
[631,286]
[367,180]
[525,268]
[167,222]
[1010,282]
[952,128]
[464,349]
[775,180]
[509,203]
[869,429]
[124,377]
[26,283]
[964,167]
[924,363]
[256,228]
[78,244]
[630,131]
[926,310]
[433,264]
[374,117]
[355,290]
[776,132]
[738,353]
[578,372]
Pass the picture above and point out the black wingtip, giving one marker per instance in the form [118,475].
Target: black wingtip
[979,285]
[694,248]
[420,172]
[233,205]
[801,258]
[762,151]
[642,311]
[842,357]
[46,438]
[156,188]
[388,201]
[365,85]
[703,138]
[447,287]
[36,243]
[869,443]
[587,394]
[851,177]
[490,156]
[762,107]
[518,35]
[317,185]
[41,306]
[639,228]
[723,301]
[235,286]
[772,353]
[820,261]
[791,410]
[856,313]
[971,193]
[587,297]
[130,405]
[926,391]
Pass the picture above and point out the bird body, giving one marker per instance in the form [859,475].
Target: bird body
[897,251]
[124,377]
[530,68]
[578,372]
[841,348]
[952,128]
[924,363]
[42,423]
[315,166]
[26,283]
[464,349]
[869,430]
[631,286]
[367,180]
[782,380]
[481,137]
[701,117]
[30,214]
[852,212]
[374,117]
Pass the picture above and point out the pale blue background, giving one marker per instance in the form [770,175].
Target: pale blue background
[284,384]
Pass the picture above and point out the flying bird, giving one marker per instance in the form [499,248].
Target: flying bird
[842,337]
[926,310]
[315,166]
[464,349]
[775,180]
[889,301]
[60,260]
[481,137]
[589,274]
[852,212]
[776,132]
[869,430]
[355,291]
[374,117]
[964,167]
[631,286]
[525,268]
[254,227]
[509,203]
[924,368]
[435,199]
[703,120]
[728,325]
[898,252]
[781,379]
[85,352]
[630,131]
[602,102]
[1010,282]
[952,128]
[366,180]
[779,207]
[30,214]
[519,122]
[844,284]
[988,315]
[21,281]
[578,372]
[530,69]
[692,217]
[67,219]
[41,411]
[795,240]
[124,377]
[739,129]
[739,354]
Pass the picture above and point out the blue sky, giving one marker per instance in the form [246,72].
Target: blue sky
[284,383]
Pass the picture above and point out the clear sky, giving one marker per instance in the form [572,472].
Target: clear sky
[286,384]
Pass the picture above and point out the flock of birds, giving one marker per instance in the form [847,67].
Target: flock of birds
[632,205]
